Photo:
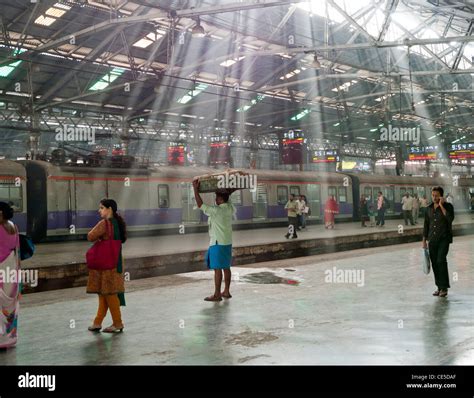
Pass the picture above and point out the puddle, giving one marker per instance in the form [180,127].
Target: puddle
[268,278]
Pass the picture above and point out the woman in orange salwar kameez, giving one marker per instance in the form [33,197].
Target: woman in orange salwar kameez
[331,208]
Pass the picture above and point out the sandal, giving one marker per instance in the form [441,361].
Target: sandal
[443,293]
[436,293]
[213,298]
[94,328]
[226,296]
[113,329]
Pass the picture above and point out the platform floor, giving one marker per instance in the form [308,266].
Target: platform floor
[298,319]
[51,254]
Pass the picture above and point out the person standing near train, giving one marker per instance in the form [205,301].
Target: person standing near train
[381,206]
[219,254]
[10,289]
[407,208]
[364,211]
[415,208]
[291,208]
[108,284]
[438,232]
[331,208]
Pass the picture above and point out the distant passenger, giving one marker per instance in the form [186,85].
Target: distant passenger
[364,211]
[381,207]
[449,198]
[439,233]
[301,213]
[108,284]
[10,286]
[416,208]
[292,211]
[331,208]
[407,208]
[423,206]
[371,208]
[219,254]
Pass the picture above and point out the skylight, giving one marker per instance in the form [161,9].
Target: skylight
[149,38]
[108,78]
[7,69]
[52,14]
[245,108]
[193,93]
[231,62]
[301,115]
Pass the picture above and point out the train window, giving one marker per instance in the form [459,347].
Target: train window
[12,195]
[282,194]
[163,196]
[295,190]
[410,191]
[402,192]
[342,194]
[421,191]
[368,193]
[236,197]
[376,191]
[389,193]
[332,191]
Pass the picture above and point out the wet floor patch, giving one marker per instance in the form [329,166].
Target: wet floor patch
[266,277]
[250,338]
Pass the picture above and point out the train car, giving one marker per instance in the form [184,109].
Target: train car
[13,190]
[64,199]
[394,187]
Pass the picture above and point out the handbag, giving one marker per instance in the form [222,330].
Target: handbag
[104,254]
[426,261]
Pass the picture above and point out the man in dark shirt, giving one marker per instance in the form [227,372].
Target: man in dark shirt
[438,232]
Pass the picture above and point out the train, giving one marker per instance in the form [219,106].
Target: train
[54,202]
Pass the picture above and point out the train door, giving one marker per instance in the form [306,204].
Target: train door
[389,194]
[260,201]
[191,212]
[368,194]
[314,200]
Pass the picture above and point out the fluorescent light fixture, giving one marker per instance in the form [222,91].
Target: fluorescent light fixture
[193,93]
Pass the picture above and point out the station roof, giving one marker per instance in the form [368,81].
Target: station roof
[337,70]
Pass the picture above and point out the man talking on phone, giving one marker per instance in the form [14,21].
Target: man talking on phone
[438,232]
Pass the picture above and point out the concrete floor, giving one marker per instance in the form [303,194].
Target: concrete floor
[301,319]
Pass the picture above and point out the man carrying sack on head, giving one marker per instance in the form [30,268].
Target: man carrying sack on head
[219,255]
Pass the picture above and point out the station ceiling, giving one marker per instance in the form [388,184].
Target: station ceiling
[337,70]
